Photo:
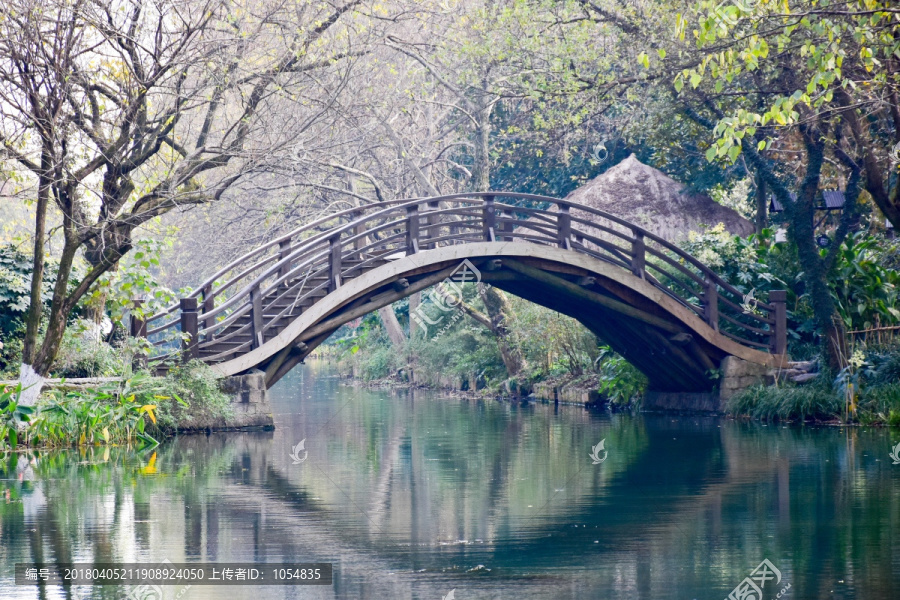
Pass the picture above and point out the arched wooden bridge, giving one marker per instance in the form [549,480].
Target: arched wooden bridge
[662,309]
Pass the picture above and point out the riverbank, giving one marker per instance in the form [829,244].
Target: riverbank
[822,400]
[140,409]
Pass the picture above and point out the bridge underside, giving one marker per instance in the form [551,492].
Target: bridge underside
[655,332]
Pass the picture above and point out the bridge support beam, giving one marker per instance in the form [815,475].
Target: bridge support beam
[250,408]
[249,400]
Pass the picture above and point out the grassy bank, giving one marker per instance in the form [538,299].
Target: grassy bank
[867,392]
[139,410]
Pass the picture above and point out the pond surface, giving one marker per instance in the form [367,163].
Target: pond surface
[415,495]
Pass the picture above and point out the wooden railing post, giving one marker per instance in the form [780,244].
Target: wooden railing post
[711,304]
[564,227]
[360,241]
[488,219]
[506,225]
[638,254]
[778,300]
[284,250]
[209,303]
[189,326]
[412,229]
[334,263]
[431,219]
[256,319]
[138,330]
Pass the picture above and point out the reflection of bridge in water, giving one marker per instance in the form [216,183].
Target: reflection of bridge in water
[650,505]
[663,310]
[665,509]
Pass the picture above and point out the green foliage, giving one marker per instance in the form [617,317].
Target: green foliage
[90,417]
[188,391]
[865,288]
[880,404]
[136,277]
[131,411]
[863,279]
[866,391]
[82,354]
[551,343]
[13,418]
[743,42]
[467,351]
[788,402]
[15,284]
[620,381]
[15,293]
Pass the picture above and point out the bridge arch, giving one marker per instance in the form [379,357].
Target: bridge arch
[663,310]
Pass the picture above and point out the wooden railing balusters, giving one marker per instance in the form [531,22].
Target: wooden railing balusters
[361,240]
[506,225]
[284,250]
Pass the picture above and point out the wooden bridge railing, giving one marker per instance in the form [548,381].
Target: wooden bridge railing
[252,298]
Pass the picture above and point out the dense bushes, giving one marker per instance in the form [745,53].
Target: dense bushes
[866,391]
[136,410]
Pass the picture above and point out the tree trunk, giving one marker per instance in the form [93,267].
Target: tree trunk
[30,377]
[761,204]
[392,327]
[802,214]
[497,308]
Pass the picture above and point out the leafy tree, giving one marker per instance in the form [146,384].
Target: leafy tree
[805,92]
[121,112]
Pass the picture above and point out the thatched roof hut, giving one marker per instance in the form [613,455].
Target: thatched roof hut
[648,197]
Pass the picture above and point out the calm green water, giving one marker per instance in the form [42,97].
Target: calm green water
[415,495]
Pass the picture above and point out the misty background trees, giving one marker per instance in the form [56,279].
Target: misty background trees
[213,126]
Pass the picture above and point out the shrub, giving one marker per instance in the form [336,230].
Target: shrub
[187,392]
[620,381]
[83,354]
[881,403]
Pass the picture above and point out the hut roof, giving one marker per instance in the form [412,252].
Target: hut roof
[648,197]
